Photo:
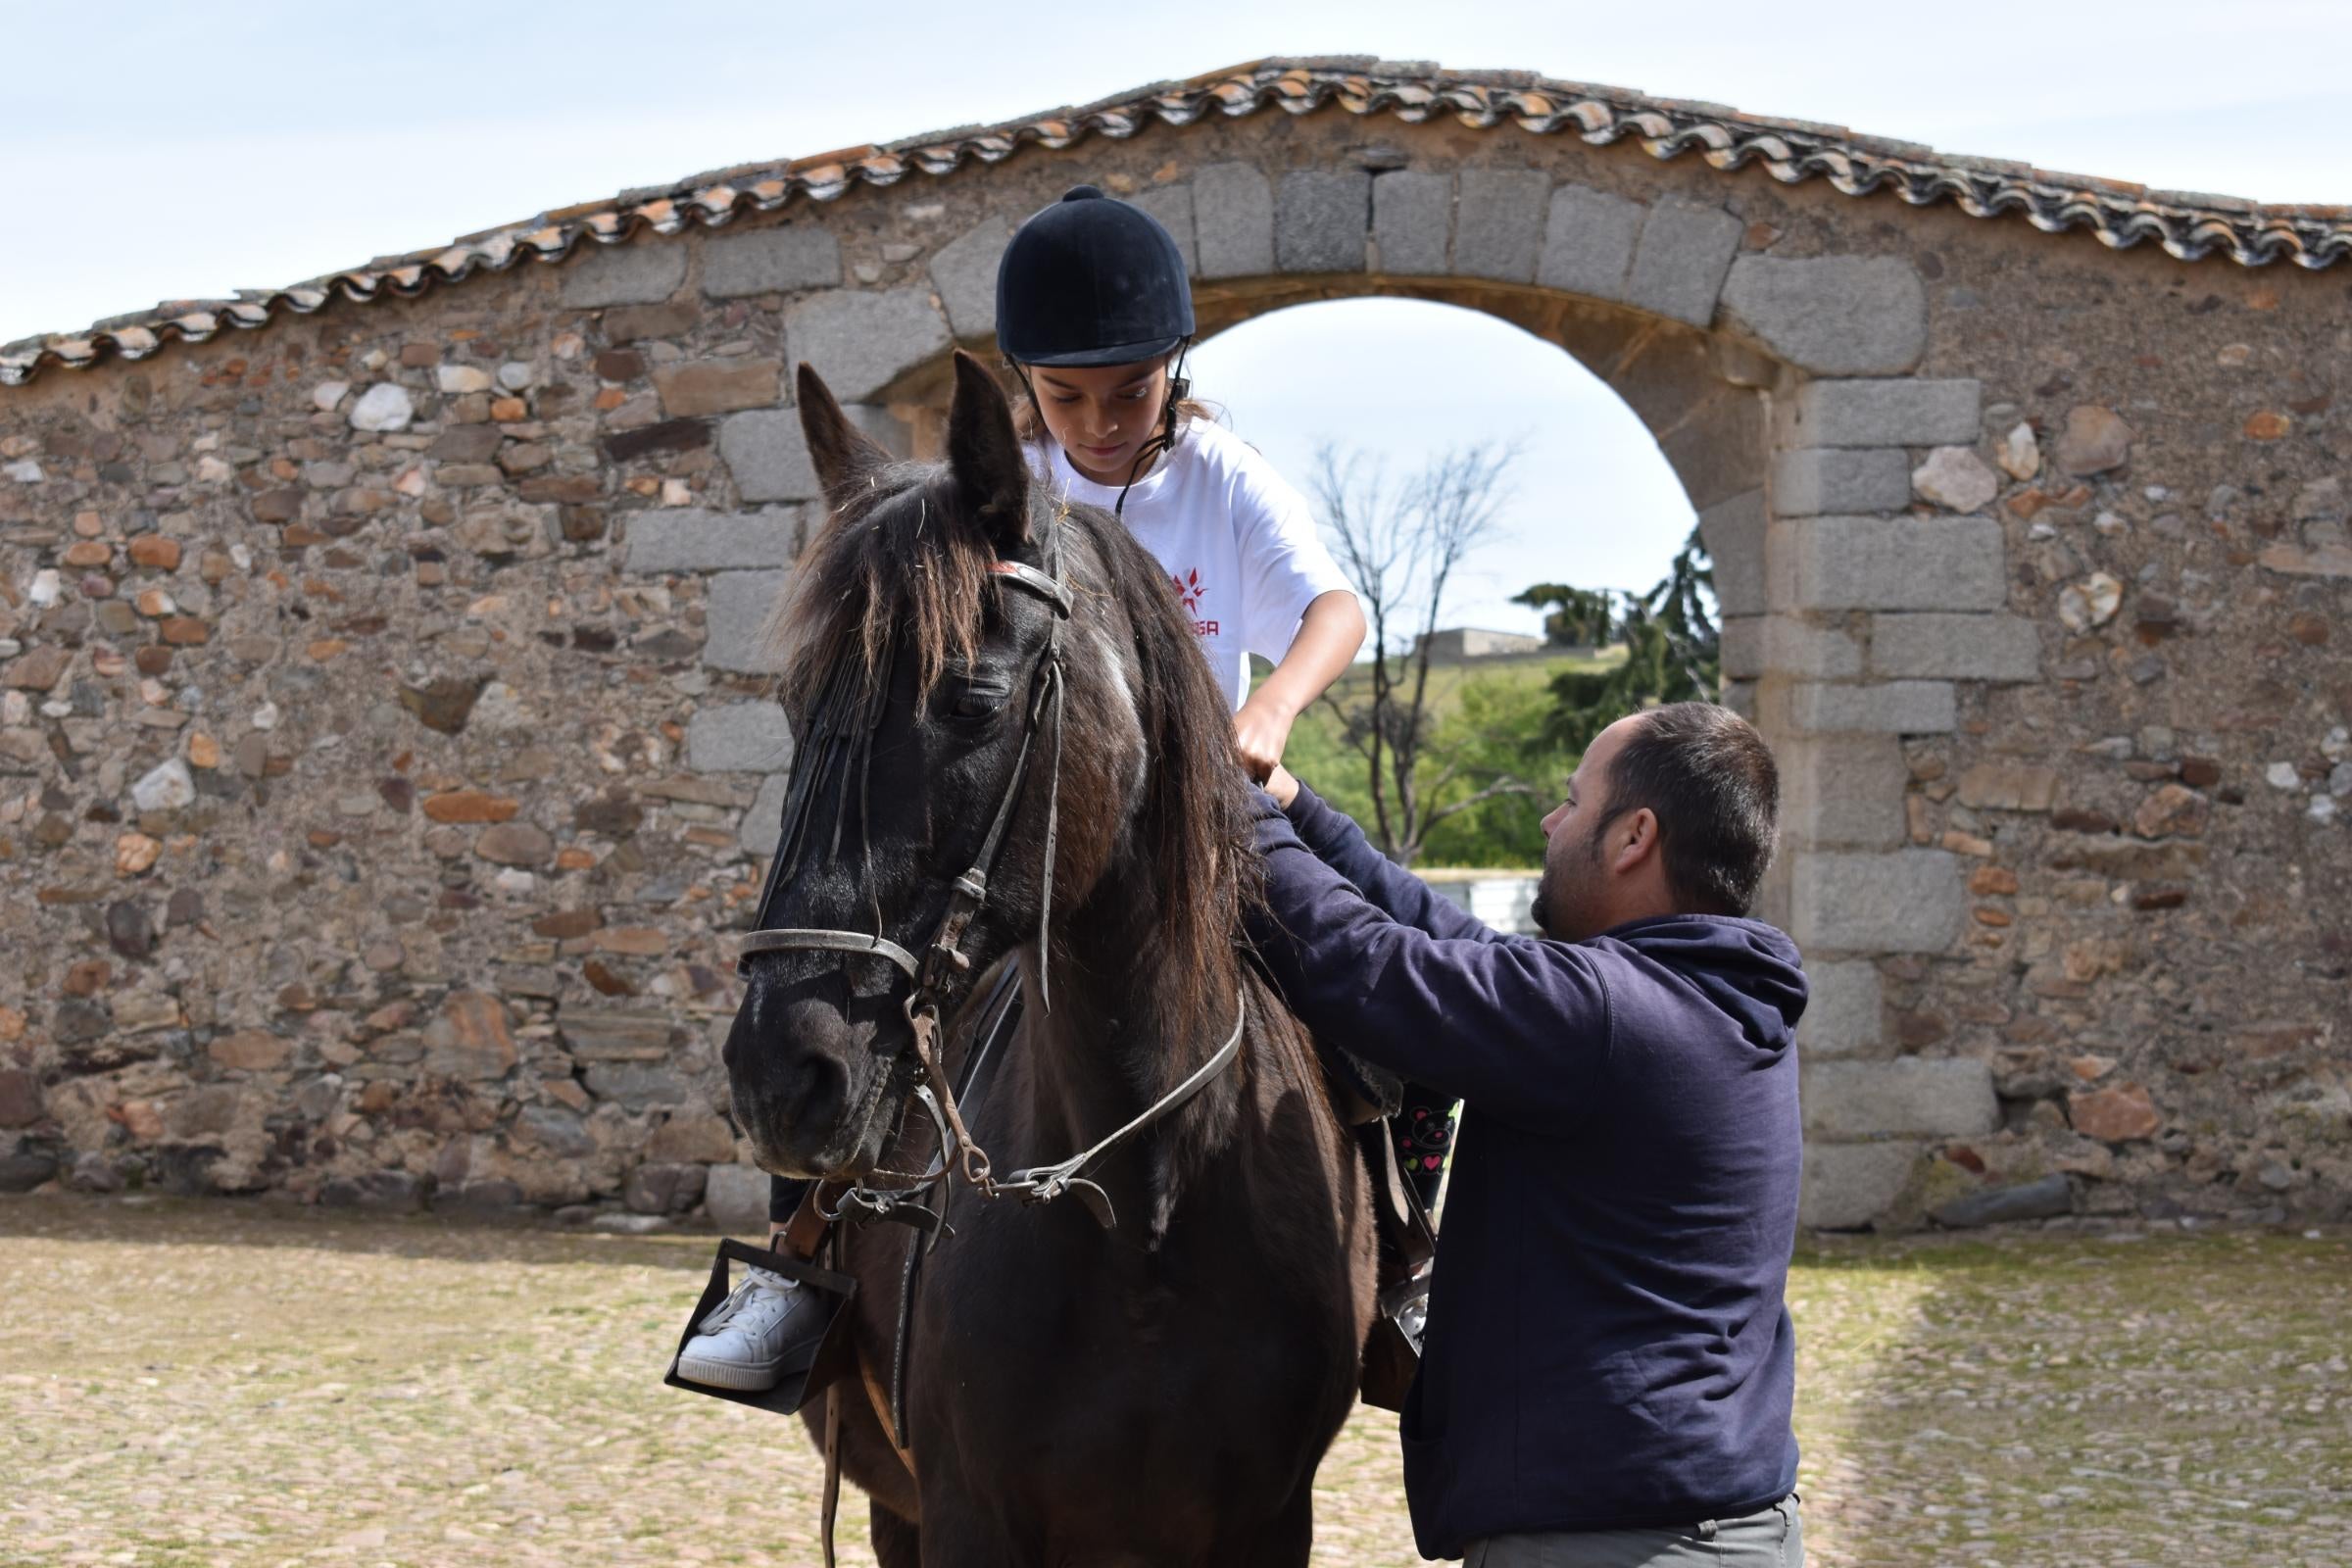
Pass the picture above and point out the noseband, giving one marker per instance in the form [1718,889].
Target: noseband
[945,962]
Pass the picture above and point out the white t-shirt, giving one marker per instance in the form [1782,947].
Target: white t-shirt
[1236,539]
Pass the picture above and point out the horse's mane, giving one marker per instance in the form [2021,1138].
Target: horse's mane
[1194,823]
[897,571]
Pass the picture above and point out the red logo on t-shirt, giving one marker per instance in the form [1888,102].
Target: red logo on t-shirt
[1189,589]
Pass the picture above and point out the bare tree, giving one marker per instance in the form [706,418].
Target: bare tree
[1400,541]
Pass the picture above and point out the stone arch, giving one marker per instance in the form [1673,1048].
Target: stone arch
[1808,358]
[1780,391]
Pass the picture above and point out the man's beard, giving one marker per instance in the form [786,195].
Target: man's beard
[1552,905]
[1549,910]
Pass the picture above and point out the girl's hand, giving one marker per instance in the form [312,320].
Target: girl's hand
[1261,730]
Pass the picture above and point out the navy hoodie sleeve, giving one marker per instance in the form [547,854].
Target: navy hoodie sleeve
[1339,843]
[1513,1025]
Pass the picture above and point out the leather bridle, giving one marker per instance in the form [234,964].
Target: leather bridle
[944,962]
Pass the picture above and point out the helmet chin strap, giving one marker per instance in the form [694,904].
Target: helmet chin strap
[1180,386]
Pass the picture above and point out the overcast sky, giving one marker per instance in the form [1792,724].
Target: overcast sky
[185,150]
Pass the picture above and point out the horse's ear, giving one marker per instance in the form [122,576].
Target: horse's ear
[984,452]
[837,450]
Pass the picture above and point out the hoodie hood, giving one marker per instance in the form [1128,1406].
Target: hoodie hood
[1749,970]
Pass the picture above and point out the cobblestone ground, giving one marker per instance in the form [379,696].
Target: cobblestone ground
[221,1384]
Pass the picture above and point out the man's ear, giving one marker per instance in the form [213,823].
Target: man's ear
[842,453]
[984,452]
[1633,839]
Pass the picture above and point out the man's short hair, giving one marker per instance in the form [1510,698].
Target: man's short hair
[1710,780]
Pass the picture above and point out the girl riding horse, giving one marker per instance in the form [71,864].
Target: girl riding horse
[1095,317]
[1011,748]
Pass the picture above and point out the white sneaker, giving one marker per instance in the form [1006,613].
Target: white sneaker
[749,1340]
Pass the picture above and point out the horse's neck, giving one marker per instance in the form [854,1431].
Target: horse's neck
[1123,1032]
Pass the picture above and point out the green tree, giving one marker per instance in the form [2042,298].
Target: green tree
[1673,653]
[1578,617]
[1499,727]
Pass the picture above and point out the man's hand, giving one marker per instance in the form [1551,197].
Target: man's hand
[1261,730]
[1283,785]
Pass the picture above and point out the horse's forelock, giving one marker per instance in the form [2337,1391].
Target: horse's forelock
[895,562]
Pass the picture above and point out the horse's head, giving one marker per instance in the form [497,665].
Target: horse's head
[921,681]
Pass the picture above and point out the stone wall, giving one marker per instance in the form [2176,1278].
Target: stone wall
[2145,788]
[386,745]
[390,737]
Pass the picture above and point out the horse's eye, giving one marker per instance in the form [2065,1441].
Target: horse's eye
[978,698]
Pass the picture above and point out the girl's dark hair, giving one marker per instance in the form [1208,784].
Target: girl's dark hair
[1712,784]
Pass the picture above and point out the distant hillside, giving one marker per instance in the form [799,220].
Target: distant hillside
[1446,680]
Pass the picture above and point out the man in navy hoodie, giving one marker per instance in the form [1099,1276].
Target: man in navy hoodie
[1609,1367]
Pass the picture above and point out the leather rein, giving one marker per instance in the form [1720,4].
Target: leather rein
[944,962]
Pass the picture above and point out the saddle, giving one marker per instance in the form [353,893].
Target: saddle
[1408,1258]
[1366,1096]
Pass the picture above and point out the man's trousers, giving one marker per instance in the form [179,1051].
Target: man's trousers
[1770,1537]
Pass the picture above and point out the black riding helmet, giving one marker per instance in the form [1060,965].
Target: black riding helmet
[1091,281]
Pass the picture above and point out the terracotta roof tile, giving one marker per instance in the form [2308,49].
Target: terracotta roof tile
[2189,226]
[561,214]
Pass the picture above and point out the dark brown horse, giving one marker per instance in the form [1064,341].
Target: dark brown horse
[1160,1391]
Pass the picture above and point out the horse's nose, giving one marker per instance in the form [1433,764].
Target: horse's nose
[793,1114]
[790,1093]
[812,1091]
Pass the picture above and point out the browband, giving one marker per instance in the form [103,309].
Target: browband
[1037,582]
